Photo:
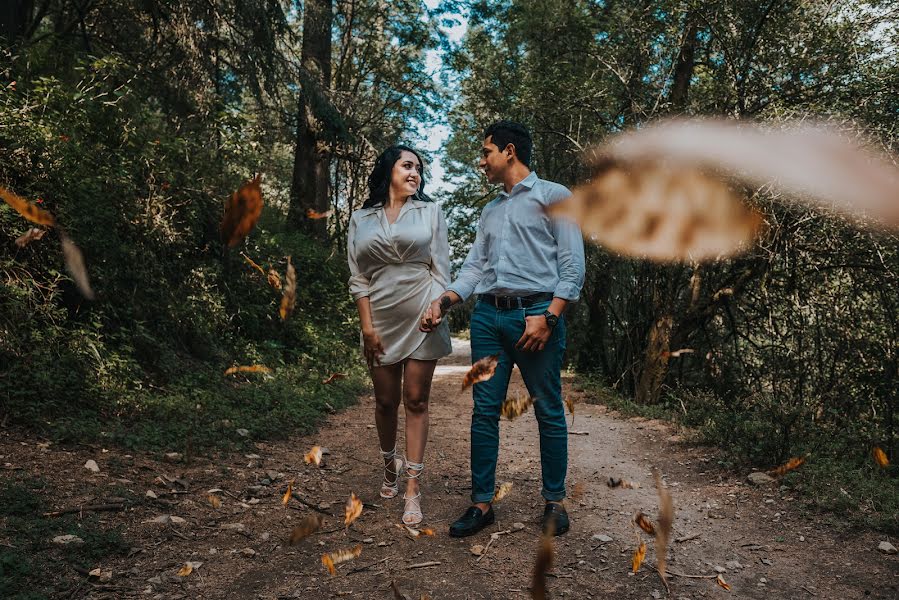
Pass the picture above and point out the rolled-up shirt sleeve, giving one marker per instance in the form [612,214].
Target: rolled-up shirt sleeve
[473,268]
[358,282]
[440,263]
[570,258]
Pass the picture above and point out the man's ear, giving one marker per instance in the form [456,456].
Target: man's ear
[509,150]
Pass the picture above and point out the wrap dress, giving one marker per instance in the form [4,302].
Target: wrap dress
[402,268]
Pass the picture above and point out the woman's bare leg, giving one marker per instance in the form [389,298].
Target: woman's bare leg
[416,391]
[388,382]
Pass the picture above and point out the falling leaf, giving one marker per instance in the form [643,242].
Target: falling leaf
[622,483]
[541,566]
[285,500]
[644,523]
[311,213]
[274,280]
[665,522]
[639,555]
[248,369]
[186,570]
[723,583]
[502,491]
[26,209]
[309,525]
[515,407]
[880,457]
[480,371]
[214,501]
[353,509]
[251,263]
[331,559]
[75,265]
[678,353]
[289,299]
[241,212]
[32,235]
[313,456]
[793,463]
[333,377]
[569,403]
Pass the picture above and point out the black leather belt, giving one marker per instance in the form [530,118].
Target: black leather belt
[514,302]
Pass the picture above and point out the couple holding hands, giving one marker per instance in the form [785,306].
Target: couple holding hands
[524,267]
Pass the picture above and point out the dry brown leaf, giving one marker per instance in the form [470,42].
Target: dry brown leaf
[186,570]
[502,491]
[32,235]
[880,457]
[309,525]
[793,463]
[622,483]
[427,531]
[353,509]
[274,280]
[311,213]
[577,491]
[333,377]
[242,210]
[285,499]
[543,564]
[480,371]
[643,522]
[331,559]
[665,521]
[214,501]
[639,555]
[314,456]
[75,265]
[247,369]
[27,209]
[678,353]
[252,264]
[515,407]
[289,298]
[723,583]
[569,403]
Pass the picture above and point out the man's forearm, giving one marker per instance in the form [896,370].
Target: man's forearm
[448,299]
[558,306]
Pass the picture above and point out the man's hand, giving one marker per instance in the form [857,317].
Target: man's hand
[432,317]
[536,334]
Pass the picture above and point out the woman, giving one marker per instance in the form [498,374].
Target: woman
[399,261]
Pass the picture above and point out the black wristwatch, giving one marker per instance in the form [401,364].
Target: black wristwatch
[551,319]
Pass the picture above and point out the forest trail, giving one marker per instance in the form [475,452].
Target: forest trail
[760,538]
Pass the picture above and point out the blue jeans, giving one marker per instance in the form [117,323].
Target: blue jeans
[495,331]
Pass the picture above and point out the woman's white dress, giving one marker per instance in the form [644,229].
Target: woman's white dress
[402,268]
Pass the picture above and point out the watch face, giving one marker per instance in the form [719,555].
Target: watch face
[551,319]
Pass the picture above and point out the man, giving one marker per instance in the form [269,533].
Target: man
[525,268]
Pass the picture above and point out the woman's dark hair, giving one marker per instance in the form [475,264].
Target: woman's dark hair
[379,180]
[510,132]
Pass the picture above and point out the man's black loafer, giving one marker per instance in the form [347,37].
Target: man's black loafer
[472,522]
[555,519]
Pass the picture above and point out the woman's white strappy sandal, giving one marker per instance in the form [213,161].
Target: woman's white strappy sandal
[389,489]
[412,514]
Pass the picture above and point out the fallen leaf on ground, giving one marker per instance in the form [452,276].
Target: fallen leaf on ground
[353,509]
[309,525]
[311,213]
[247,369]
[91,465]
[75,266]
[578,490]
[289,297]
[502,491]
[214,501]
[186,570]
[285,500]
[622,483]
[242,210]
[27,209]
[480,371]
[32,235]
[314,456]
[514,407]
[252,263]
[723,583]
[880,457]
[793,463]
[274,279]
[333,377]
[331,559]
[665,521]
[644,523]
[477,549]
[639,555]
[541,566]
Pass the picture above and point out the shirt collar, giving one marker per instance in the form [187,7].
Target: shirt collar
[527,183]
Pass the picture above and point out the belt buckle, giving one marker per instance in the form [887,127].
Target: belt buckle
[507,303]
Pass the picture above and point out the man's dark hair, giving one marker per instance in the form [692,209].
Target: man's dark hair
[509,132]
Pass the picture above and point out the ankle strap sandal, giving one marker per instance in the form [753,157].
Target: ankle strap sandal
[389,489]
[412,514]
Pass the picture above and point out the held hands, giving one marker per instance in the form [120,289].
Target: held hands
[536,333]
[372,347]
[432,317]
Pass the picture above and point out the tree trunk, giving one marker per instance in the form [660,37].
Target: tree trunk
[312,162]
[655,361]
[683,69]
[15,16]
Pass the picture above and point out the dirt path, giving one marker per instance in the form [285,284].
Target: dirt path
[759,538]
